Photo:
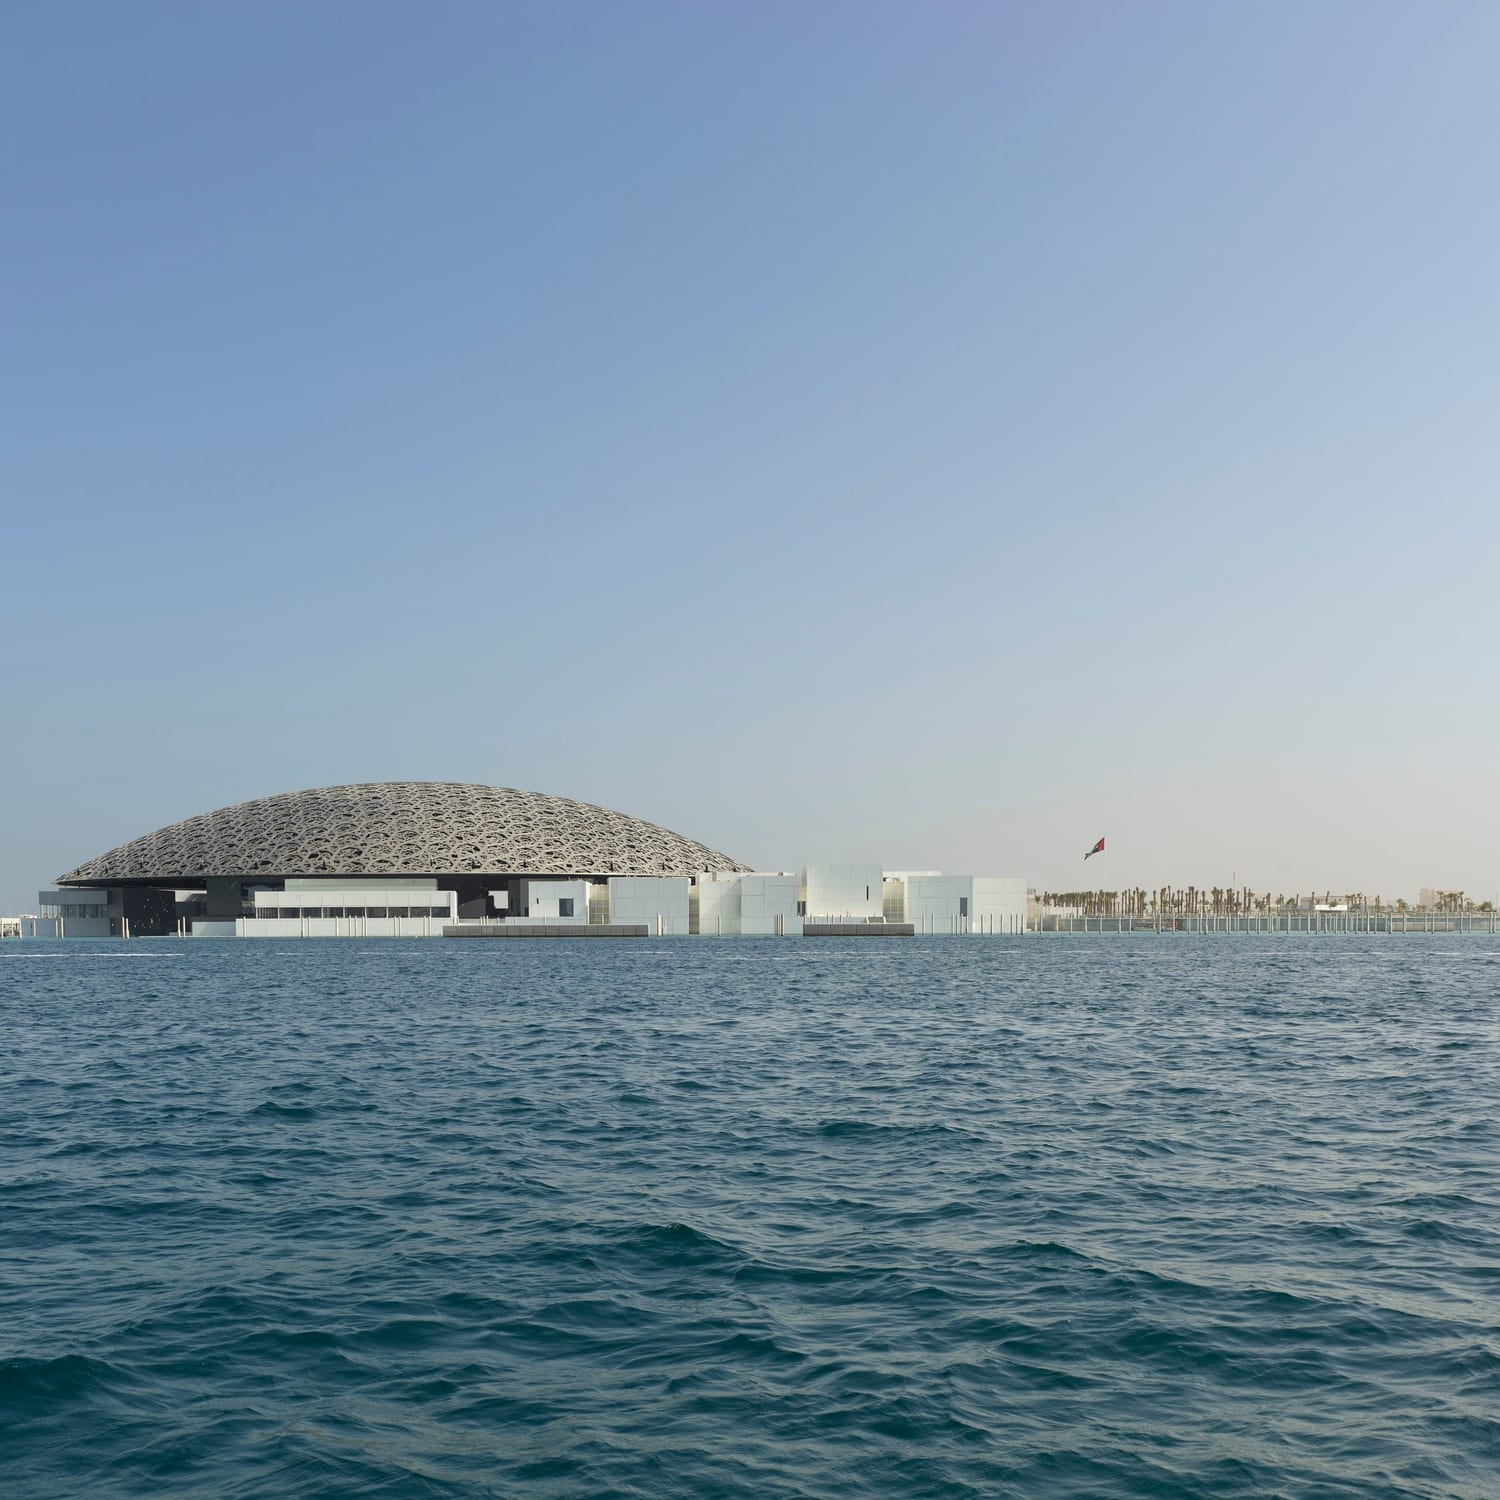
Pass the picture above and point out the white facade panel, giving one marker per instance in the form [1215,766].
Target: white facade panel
[553,901]
[360,897]
[935,903]
[761,904]
[718,901]
[988,904]
[768,906]
[852,892]
[999,904]
[940,903]
[660,901]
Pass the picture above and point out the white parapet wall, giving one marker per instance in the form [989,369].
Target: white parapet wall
[329,927]
[347,909]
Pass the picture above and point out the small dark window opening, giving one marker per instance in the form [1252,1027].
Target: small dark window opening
[565,906]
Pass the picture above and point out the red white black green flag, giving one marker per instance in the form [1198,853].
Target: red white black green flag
[1097,849]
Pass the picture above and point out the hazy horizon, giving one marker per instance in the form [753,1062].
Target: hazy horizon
[935,435]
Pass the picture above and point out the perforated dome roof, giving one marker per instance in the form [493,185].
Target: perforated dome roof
[404,828]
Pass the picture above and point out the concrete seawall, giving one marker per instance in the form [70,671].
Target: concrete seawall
[858,929]
[549,930]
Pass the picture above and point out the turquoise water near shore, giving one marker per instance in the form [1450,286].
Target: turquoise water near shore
[1044,1217]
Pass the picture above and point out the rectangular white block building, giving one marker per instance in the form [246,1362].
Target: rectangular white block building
[662,903]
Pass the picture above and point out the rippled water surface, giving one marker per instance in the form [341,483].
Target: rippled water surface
[1043,1217]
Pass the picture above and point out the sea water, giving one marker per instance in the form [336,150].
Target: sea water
[1051,1216]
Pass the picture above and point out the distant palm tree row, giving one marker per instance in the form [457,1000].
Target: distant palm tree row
[1222,901]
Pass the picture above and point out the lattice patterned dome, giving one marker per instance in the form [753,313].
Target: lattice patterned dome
[404,828]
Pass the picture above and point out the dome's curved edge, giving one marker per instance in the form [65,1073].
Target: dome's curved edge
[399,829]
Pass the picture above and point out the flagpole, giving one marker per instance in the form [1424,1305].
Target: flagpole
[1101,847]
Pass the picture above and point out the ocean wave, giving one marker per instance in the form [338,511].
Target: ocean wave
[1060,1222]
[61,1378]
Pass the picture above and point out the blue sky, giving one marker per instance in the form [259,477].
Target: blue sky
[933,433]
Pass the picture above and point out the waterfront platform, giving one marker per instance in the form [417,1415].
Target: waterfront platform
[858,929]
[548,930]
